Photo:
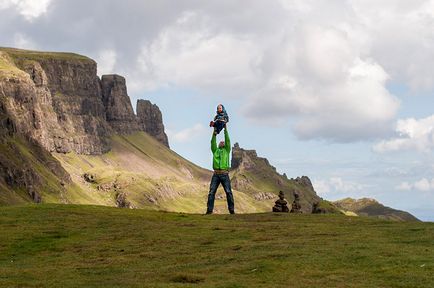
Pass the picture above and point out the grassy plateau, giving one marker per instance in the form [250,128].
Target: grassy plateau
[52,245]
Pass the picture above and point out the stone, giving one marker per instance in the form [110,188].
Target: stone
[150,120]
[316,209]
[88,177]
[281,204]
[296,207]
[122,201]
[304,181]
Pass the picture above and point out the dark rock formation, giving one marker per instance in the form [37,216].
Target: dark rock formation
[281,204]
[58,100]
[304,181]
[296,207]
[89,177]
[151,121]
[118,108]
[122,201]
[55,100]
[317,209]
[247,159]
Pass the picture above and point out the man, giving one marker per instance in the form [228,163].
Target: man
[221,172]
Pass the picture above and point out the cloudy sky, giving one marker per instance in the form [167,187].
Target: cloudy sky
[340,91]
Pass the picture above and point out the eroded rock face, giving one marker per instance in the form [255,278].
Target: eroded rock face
[57,102]
[118,108]
[304,181]
[151,121]
[247,159]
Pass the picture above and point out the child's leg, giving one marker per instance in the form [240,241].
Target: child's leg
[218,126]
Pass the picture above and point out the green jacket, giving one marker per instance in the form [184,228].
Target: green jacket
[221,155]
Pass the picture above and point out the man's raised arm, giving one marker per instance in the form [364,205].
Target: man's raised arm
[227,140]
[213,143]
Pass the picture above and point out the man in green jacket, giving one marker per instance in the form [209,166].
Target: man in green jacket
[221,172]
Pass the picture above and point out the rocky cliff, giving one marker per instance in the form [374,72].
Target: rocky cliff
[55,102]
[118,109]
[254,174]
[151,120]
[58,100]
[25,167]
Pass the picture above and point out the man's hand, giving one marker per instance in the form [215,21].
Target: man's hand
[225,125]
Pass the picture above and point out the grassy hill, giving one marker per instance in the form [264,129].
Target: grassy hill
[150,176]
[50,245]
[371,207]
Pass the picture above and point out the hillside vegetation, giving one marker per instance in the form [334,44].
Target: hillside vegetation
[50,245]
[148,175]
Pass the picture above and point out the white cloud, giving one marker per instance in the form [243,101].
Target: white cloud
[29,9]
[412,134]
[423,185]
[323,65]
[189,53]
[106,61]
[23,41]
[336,188]
[188,134]
[405,186]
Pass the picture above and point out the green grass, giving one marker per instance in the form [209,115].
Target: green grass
[94,246]
[41,55]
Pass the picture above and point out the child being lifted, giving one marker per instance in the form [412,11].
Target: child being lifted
[220,119]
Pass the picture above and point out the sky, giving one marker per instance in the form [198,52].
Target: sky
[340,91]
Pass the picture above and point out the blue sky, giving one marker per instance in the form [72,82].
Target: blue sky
[342,92]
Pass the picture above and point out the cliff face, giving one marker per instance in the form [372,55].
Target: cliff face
[118,108]
[58,100]
[55,102]
[151,121]
[25,167]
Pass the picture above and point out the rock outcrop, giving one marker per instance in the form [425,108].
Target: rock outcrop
[371,207]
[25,167]
[55,102]
[151,121]
[247,159]
[253,174]
[118,109]
[58,100]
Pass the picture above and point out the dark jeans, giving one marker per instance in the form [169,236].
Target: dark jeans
[215,182]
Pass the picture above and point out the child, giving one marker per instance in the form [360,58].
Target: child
[220,119]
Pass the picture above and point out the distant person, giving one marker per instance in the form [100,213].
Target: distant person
[220,119]
[221,172]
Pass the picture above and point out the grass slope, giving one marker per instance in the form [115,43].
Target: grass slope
[93,246]
[151,175]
